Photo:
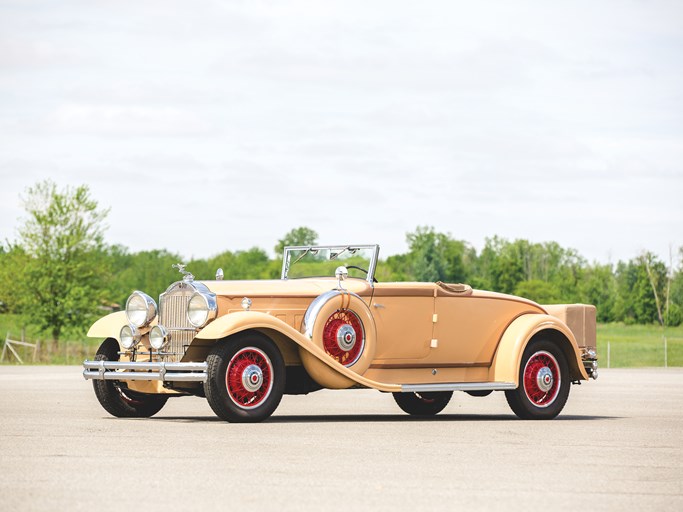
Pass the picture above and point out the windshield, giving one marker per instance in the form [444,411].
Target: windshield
[322,261]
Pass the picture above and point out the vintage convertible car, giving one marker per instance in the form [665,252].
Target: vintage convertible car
[243,344]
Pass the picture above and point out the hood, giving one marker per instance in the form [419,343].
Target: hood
[307,287]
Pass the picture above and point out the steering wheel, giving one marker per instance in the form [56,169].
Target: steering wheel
[362,270]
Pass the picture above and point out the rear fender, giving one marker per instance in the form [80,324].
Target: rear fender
[508,357]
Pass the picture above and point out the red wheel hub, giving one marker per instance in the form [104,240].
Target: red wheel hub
[344,337]
[542,379]
[249,378]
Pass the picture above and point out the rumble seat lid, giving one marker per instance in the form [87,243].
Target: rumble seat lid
[455,289]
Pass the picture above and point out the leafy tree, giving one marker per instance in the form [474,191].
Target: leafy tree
[60,282]
[11,259]
[436,256]
[674,315]
[657,275]
[297,236]
[502,265]
[395,268]
[538,291]
[598,287]
[635,302]
[149,271]
[60,270]
[251,264]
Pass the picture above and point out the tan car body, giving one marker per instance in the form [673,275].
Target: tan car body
[417,334]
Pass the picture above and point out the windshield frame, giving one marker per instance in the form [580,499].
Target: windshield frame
[339,249]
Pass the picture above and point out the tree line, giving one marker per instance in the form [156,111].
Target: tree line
[641,290]
[60,274]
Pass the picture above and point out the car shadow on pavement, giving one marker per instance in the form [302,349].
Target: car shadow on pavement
[374,418]
[380,418]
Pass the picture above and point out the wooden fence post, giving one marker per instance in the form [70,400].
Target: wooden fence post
[608,354]
[666,362]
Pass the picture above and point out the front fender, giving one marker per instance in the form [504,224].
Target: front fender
[108,326]
[508,357]
[234,323]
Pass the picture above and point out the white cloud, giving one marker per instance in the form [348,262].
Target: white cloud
[363,120]
[125,121]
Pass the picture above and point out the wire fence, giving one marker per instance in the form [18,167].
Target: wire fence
[666,352]
[19,350]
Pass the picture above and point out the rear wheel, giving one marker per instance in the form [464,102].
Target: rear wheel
[423,404]
[246,378]
[543,382]
[116,398]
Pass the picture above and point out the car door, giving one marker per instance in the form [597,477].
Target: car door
[403,315]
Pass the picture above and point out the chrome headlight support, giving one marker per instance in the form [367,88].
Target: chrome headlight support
[140,309]
[201,309]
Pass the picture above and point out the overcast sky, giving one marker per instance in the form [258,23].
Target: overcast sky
[220,125]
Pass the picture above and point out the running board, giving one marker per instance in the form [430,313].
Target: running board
[458,386]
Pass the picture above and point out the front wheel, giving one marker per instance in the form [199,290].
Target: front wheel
[543,382]
[423,404]
[116,398]
[246,378]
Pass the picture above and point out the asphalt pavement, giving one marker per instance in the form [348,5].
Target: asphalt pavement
[618,445]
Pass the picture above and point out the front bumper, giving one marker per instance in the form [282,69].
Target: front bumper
[166,372]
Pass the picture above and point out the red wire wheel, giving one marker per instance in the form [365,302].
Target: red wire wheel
[249,378]
[542,379]
[344,337]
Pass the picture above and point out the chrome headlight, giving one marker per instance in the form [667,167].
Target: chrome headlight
[158,337]
[129,337]
[201,309]
[140,309]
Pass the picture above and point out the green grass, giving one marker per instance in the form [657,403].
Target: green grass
[13,324]
[633,346]
[72,351]
[630,345]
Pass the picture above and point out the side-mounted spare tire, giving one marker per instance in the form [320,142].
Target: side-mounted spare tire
[339,323]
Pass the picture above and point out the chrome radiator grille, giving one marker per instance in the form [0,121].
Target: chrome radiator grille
[173,316]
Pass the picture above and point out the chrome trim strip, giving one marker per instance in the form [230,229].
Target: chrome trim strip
[458,386]
[169,372]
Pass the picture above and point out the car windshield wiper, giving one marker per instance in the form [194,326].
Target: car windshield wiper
[334,256]
[312,251]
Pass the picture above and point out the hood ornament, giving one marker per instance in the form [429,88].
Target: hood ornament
[187,277]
